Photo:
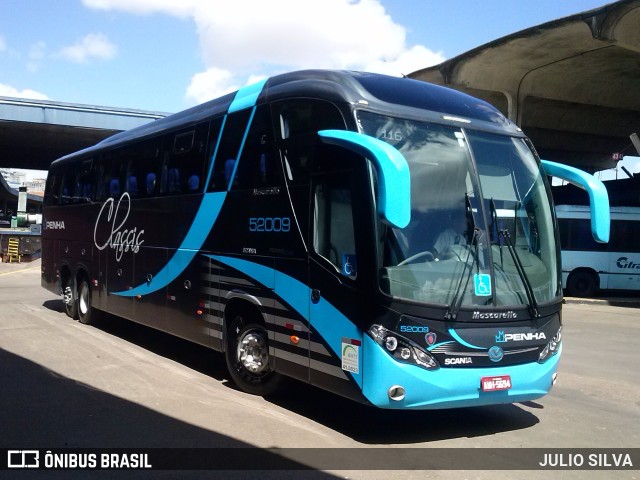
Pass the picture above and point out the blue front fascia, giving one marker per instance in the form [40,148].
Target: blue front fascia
[449,387]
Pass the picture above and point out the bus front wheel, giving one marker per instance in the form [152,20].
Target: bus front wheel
[582,284]
[247,357]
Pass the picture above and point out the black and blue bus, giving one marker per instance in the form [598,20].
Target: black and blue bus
[382,238]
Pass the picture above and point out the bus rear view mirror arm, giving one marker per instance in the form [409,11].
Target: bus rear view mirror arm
[394,179]
[598,196]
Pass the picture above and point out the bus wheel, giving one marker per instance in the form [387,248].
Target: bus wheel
[70,300]
[86,314]
[247,357]
[582,284]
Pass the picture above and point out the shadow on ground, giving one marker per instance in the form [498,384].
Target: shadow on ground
[365,424]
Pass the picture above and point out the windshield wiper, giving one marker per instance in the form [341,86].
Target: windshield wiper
[533,304]
[456,301]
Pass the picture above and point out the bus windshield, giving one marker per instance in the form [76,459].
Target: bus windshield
[481,230]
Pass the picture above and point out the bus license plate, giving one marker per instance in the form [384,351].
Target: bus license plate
[492,384]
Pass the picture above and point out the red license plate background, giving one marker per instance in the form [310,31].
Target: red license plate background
[492,384]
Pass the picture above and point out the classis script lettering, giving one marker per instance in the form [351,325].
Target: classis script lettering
[120,239]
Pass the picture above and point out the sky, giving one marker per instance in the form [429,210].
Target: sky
[168,55]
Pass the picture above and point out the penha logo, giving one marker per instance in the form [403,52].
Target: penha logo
[502,337]
[54,225]
[121,240]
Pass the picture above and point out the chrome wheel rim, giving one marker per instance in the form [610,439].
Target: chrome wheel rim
[253,352]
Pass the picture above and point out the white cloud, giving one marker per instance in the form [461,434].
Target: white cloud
[181,8]
[241,38]
[37,53]
[3,44]
[9,91]
[93,45]
[407,62]
[210,84]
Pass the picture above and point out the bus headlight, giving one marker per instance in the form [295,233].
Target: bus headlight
[551,348]
[402,349]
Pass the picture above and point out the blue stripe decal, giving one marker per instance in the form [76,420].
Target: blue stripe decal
[453,333]
[215,152]
[193,241]
[244,139]
[328,321]
[246,97]
[208,211]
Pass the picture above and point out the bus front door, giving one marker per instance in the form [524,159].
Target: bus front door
[335,242]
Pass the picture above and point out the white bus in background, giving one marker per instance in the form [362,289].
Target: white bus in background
[588,266]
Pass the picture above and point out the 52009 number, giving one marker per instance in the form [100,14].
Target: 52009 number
[269,224]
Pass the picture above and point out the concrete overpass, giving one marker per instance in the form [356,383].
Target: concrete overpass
[33,133]
[572,84]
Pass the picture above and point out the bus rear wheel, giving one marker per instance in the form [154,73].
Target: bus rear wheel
[70,300]
[582,284]
[86,313]
[247,357]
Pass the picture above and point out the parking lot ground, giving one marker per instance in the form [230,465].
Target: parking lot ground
[122,385]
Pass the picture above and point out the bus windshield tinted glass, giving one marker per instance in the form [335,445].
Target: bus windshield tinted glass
[473,196]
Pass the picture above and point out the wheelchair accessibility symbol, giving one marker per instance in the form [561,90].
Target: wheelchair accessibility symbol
[349,267]
[482,283]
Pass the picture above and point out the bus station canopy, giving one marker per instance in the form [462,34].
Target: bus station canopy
[572,84]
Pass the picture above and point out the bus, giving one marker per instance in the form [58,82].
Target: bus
[293,226]
[589,266]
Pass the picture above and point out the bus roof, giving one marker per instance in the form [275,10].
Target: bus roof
[370,90]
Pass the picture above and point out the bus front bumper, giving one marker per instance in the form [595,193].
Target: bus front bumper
[449,387]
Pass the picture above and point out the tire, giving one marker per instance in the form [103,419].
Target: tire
[86,313]
[70,300]
[247,357]
[582,284]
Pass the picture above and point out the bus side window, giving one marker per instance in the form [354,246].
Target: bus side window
[68,186]
[298,122]
[258,166]
[333,225]
[224,164]
[84,186]
[183,160]
[51,195]
[625,236]
[575,235]
[109,182]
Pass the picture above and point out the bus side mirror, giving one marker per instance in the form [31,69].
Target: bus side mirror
[394,179]
[598,196]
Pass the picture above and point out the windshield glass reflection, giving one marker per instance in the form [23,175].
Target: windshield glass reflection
[462,182]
